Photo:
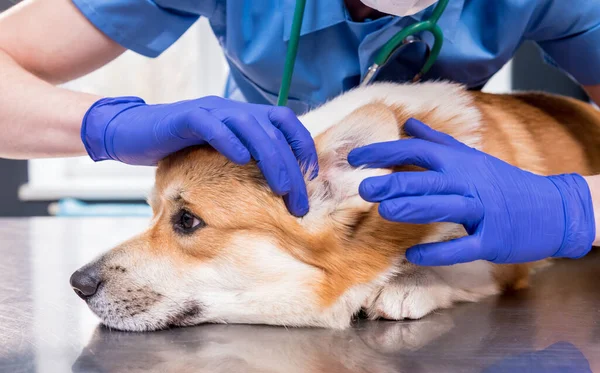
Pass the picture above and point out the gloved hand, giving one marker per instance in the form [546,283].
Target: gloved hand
[128,130]
[510,215]
[561,357]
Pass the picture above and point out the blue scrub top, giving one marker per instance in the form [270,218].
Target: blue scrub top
[335,52]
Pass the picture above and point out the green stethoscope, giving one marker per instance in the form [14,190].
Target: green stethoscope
[401,39]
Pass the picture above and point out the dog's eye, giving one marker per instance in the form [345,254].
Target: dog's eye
[186,222]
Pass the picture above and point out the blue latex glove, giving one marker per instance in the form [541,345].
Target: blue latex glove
[128,130]
[511,215]
[561,357]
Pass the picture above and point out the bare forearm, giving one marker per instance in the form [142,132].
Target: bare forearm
[36,118]
[42,43]
[594,181]
[594,184]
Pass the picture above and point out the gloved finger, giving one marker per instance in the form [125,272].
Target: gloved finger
[432,209]
[422,131]
[296,200]
[297,137]
[260,145]
[203,125]
[402,184]
[415,152]
[460,250]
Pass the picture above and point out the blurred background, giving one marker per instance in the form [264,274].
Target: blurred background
[193,67]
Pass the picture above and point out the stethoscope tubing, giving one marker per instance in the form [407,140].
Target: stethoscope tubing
[382,57]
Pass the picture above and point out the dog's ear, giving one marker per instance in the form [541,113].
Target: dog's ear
[333,194]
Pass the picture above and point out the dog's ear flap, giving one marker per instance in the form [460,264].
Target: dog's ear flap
[334,193]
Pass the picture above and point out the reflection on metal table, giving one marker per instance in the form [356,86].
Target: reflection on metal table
[44,326]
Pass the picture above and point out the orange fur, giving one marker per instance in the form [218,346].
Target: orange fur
[536,132]
[350,245]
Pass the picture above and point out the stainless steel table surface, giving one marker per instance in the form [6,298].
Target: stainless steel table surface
[45,327]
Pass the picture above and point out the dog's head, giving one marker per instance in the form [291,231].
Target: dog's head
[223,248]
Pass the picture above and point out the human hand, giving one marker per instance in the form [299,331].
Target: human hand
[128,130]
[510,215]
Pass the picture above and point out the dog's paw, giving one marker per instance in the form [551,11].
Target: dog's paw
[395,337]
[408,300]
[416,293]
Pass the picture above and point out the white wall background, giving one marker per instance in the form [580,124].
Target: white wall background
[502,81]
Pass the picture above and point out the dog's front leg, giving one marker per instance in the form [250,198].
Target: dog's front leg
[417,291]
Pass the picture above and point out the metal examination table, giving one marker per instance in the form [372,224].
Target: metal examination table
[45,327]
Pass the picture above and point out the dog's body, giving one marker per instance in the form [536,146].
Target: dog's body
[246,260]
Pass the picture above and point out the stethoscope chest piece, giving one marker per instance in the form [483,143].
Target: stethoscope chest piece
[405,39]
[412,53]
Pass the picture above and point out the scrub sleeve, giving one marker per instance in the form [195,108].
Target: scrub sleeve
[142,26]
[568,32]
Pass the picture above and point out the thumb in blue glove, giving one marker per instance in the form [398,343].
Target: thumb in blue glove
[128,130]
[510,215]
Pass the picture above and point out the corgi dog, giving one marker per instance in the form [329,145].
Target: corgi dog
[222,247]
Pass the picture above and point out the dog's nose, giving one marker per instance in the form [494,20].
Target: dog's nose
[85,282]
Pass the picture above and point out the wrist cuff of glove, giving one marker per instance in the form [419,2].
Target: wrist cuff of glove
[95,132]
[580,228]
